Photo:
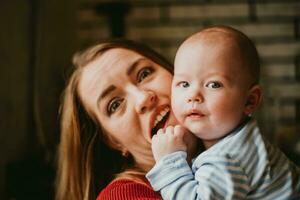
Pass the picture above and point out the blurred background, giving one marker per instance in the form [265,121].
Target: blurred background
[39,37]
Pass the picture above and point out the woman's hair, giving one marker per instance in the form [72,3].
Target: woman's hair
[86,161]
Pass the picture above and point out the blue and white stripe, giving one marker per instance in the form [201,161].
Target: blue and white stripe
[243,165]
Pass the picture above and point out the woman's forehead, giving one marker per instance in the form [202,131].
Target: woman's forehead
[114,58]
[110,62]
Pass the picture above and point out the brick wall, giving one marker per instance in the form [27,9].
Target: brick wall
[273,25]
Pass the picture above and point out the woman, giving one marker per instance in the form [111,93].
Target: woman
[116,99]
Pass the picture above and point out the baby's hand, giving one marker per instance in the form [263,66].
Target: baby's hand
[168,141]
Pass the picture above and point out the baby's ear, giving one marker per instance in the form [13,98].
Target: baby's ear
[253,100]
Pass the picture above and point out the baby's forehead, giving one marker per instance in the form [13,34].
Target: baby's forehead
[216,37]
[228,41]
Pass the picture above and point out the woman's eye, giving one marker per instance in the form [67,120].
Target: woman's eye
[214,85]
[184,84]
[144,73]
[114,105]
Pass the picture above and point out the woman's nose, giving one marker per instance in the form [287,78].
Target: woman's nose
[145,101]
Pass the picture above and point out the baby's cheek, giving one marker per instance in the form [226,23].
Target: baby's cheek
[176,105]
[226,113]
[222,105]
[174,96]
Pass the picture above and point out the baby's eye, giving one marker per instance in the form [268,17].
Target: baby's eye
[214,85]
[113,105]
[144,73]
[183,84]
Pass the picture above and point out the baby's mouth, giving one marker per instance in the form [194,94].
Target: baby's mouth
[160,123]
[195,115]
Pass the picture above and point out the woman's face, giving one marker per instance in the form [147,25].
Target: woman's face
[130,96]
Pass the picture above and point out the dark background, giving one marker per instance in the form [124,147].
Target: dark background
[39,37]
[37,40]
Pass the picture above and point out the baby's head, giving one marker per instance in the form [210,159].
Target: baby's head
[215,83]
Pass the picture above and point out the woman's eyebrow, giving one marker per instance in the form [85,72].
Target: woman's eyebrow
[111,88]
[132,67]
[108,90]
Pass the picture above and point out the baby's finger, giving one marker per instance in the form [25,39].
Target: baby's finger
[160,131]
[170,130]
[154,138]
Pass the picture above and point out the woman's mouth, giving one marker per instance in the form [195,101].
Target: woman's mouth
[160,120]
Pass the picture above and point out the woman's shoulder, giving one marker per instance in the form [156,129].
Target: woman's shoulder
[126,189]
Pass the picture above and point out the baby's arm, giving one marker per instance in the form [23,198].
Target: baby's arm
[215,177]
[168,141]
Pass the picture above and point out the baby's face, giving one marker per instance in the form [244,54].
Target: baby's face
[209,89]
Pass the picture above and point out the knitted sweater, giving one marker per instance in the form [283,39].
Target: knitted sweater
[125,189]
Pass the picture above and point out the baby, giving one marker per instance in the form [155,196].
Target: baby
[215,91]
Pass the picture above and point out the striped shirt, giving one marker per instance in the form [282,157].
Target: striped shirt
[243,165]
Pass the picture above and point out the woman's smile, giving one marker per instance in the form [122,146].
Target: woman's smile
[159,119]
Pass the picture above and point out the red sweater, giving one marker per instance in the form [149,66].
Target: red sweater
[124,189]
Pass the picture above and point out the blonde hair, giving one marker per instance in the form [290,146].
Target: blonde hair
[86,160]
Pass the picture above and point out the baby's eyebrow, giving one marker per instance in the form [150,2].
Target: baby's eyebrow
[179,75]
